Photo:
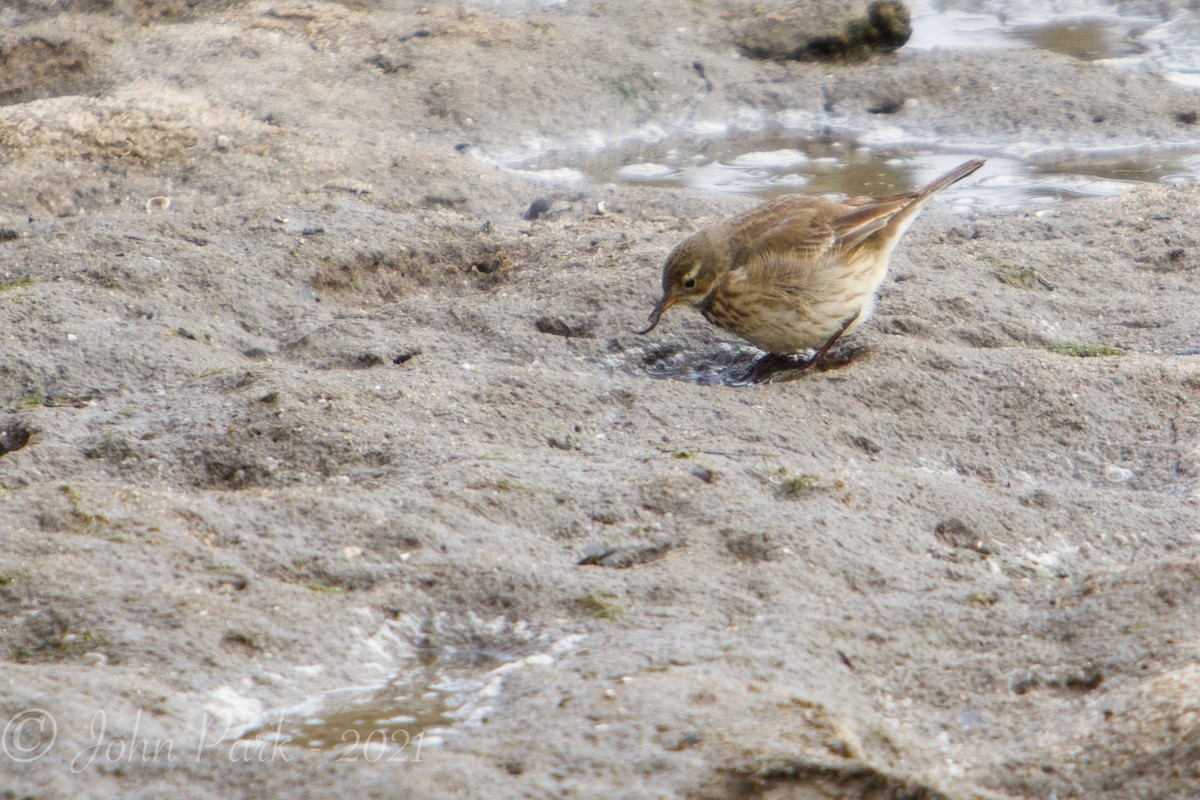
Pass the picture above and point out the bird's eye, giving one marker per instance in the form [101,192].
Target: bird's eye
[690,283]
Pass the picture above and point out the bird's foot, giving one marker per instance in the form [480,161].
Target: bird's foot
[772,367]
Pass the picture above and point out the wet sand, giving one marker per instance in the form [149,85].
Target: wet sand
[333,412]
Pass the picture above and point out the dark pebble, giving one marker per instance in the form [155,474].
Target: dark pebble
[13,437]
[538,208]
[403,357]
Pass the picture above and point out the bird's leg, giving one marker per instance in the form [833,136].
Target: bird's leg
[766,367]
[820,354]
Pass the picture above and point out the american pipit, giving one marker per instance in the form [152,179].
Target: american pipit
[795,273]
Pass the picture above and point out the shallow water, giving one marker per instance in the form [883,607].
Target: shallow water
[1095,34]
[1159,37]
[394,721]
[766,164]
[389,722]
[728,364]
[1085,39]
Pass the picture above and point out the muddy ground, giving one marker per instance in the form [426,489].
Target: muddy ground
[294,400]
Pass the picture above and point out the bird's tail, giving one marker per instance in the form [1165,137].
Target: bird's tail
[868,216]
[953,176]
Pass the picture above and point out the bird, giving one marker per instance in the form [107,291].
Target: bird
[794,274]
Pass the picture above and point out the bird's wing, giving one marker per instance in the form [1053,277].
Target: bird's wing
[792,242]
[798,225]
[785,245]
[811,227]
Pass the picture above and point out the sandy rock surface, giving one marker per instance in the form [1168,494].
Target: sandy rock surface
[294,400]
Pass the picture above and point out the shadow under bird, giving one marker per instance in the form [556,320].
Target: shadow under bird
[795,273]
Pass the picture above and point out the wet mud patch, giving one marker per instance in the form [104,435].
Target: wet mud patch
[718,366]
[728,364]
[37,67]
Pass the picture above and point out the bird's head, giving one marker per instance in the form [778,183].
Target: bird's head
[689,276]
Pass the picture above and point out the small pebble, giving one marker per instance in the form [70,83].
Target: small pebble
[1115,474]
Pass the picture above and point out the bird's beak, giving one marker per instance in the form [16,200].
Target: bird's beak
[657,313]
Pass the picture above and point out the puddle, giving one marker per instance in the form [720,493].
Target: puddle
[1087,38]
[1167,42]
[390,722]
[1084,39]
[721,367]
[396,720]
[767,164]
